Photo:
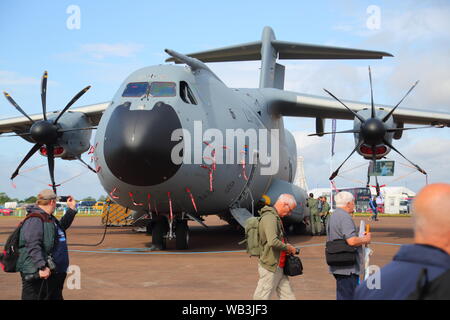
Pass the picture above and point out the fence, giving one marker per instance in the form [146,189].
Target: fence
[82,211]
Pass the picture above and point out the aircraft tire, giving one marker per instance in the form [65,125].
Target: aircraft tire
[159,230]
[182,235]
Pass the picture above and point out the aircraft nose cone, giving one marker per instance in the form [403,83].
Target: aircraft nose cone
[138,144]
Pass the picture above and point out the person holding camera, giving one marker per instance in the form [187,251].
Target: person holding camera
[274,249]
[44,257]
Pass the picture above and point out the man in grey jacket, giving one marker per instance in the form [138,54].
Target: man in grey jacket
[341,226]
[44,258]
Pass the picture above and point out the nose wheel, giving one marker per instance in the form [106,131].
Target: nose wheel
[181,235]
[160,231]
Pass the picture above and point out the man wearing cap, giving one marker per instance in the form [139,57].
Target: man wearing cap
[44,258]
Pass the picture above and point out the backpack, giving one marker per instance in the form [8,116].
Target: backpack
[10,254]
[251,240]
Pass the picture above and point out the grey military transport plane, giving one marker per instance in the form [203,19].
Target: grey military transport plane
[176,143]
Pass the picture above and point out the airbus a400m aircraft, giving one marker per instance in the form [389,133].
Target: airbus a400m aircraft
[177,143]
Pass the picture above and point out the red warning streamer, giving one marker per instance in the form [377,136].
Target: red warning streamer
[334,186]
[192,198]
[170,206]
[112,194]
[149,204]
[243,162]
[132,199]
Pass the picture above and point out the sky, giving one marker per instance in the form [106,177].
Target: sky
[99,43]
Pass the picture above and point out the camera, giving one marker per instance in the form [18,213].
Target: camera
[35,276]
[63,198]
[297,250]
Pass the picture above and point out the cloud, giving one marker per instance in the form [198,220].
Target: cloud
[9,78]
[104,50]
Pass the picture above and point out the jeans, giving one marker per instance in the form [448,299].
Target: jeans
[345,286]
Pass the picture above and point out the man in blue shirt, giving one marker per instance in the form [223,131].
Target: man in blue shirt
[374,206]
[44,257]
[429,255]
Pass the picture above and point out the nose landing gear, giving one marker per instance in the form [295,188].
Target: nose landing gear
[161,233]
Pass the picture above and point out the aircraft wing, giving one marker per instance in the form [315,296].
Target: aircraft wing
[292,104]
[22,124]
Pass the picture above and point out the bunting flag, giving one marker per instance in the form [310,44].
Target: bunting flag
[333,136]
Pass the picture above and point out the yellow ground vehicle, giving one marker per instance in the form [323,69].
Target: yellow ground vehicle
[98,205]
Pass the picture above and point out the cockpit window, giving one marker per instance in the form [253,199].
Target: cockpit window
[186,93]
[135,89]
[163,89]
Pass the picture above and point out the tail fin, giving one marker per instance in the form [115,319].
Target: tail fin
[268,50]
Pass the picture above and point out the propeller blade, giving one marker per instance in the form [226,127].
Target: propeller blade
[51,164]
[336,172]
[393,148]
[402,129]
[74,99]
[371,94]
[15,105]
[393,109]
[76,129]
[353,112]
[44,94]
[28,156]
[322,133]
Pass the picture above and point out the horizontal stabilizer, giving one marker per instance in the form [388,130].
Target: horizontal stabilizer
[292,50]
[286,50]
[242,52]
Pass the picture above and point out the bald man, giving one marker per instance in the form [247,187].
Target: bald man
[427,261]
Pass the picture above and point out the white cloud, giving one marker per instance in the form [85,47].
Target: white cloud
[9,78]
[103,50]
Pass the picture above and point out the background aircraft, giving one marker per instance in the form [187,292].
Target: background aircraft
[133,150]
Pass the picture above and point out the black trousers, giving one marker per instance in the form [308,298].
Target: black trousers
[345,286]
[40,289]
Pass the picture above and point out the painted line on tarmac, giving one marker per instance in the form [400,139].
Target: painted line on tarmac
[124,251]
[390,244]
[147,251]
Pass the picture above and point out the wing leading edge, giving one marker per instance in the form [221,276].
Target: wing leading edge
[292,104]
[21,124]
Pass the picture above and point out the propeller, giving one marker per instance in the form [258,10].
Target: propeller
[45,132]
[373,130]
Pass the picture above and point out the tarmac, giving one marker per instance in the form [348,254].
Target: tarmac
[214,268]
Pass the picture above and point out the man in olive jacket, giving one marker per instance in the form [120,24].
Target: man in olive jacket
[314,220]
[43,236]
[274,250]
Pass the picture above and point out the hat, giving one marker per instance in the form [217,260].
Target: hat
[46,194]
